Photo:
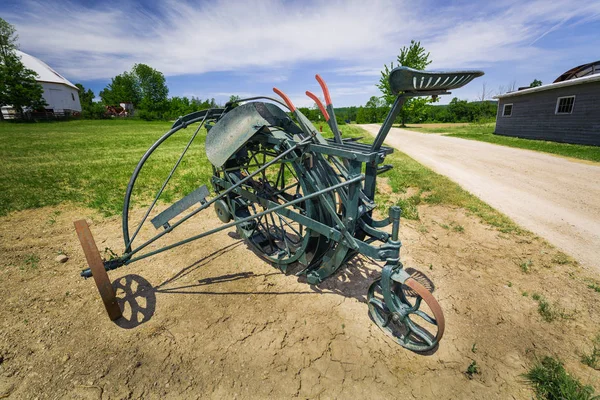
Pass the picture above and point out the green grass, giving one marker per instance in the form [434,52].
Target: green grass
[31,261]
[550,381]
[484,133]
[548,311]
[473,368]
[593,359]
[526,266]
[90,162]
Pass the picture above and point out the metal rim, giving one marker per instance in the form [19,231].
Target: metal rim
[92,255]
[402,326]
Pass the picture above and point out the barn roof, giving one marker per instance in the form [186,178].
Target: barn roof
[44,71]
[579,71]
[551,86]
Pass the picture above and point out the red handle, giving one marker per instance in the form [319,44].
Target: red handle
[319,104]
[285,99]
[325,90]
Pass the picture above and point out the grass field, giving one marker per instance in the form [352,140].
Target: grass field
[485,133]
[90,162]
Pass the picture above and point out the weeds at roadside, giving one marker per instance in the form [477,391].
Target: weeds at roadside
[594,286]
[52,219]
[550,381]
[472,369]
[561,258]
[30,262]
[526,266]
[550,312]
[593,359]
[458,228]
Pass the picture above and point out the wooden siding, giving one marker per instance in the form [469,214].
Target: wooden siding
[533,115]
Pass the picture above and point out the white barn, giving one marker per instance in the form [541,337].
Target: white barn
[60,94]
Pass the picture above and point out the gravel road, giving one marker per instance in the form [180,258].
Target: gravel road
[554,197]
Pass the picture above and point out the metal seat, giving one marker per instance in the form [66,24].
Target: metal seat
[404,79]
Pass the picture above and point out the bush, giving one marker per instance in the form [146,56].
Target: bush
[550,381]
[95,111]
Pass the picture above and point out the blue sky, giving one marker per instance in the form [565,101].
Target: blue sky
[218,48]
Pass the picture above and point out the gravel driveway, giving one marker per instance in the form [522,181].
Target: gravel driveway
[554,197]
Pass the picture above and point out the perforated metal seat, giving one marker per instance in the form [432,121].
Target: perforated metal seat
[404,79]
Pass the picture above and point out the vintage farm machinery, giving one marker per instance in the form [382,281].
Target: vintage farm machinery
[297,199]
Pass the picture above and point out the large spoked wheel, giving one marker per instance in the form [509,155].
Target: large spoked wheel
[414,319]
[275,237]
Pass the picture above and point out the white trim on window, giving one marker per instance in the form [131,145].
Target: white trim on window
[504,110]
[566,105]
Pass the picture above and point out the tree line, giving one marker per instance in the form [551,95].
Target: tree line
[146,90]
[18,85]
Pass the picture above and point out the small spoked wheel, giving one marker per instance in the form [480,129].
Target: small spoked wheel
[414,319]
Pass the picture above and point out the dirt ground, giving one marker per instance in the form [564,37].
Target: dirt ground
[211,320]
[554,197]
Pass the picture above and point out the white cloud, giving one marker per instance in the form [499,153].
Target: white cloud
[185,38]
[262,40]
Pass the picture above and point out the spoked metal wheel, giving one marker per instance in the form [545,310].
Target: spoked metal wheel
[275,237]
[407,312]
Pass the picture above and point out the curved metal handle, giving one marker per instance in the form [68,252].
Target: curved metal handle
[285,99]
[319,104]
[324,88]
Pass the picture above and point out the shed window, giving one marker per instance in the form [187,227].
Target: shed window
[507,110]
[73,96]
[564,105]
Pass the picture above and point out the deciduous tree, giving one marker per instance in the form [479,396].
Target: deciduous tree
[18,86]
[413,56]
[535,83]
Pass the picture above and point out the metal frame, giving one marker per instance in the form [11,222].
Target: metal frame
[331,173]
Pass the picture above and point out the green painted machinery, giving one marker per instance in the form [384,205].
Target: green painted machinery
[304,203]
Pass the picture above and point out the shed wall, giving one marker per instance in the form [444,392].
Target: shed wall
[533,116]
[58,97]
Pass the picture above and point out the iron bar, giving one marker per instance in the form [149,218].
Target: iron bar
[235,223]
[167,181]
[210,202]
[176,127]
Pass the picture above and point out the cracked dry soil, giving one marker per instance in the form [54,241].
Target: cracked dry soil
[212,320]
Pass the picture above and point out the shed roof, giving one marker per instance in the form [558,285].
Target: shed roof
[44,71]
[571,82]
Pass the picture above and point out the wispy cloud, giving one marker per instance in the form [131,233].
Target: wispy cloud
[188,38]
[264,41]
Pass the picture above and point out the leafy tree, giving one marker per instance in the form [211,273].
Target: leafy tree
[144,87]
[234,98]
[415,57]
[122,88]
[8,39]
[86,97]
[535,83]
[18,86]
[89,108]
[152,87]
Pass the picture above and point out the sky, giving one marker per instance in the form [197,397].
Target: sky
[214,49]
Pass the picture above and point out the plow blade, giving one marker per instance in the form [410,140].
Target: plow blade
[92,255]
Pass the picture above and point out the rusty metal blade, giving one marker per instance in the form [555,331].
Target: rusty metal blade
[92,255]
[432,303]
